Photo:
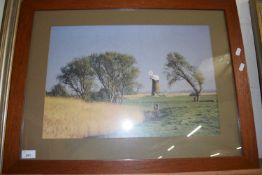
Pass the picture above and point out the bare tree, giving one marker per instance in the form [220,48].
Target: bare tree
[177,68]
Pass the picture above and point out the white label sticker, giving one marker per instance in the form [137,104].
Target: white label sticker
[238,52]
[28,154]
[241,66]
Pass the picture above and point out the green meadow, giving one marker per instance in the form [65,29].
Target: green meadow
[177,116]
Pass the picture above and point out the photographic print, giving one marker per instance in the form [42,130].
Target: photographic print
[127,81]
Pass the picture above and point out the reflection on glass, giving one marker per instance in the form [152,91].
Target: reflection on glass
[214,155]
[127,125]
[171,147]
[159,157]
[195,130]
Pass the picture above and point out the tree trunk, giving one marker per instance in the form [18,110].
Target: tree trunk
[197,98]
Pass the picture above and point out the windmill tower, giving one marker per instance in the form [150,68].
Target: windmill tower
[155,83]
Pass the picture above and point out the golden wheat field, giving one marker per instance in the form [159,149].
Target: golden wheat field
[74,118]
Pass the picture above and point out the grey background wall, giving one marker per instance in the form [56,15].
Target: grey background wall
[247,33]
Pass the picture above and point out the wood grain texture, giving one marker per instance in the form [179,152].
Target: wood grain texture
[17,89]
[231,172]
[12,162]
[248,134]
[134,4]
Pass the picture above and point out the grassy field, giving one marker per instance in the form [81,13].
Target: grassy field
[74,118]
[176,116]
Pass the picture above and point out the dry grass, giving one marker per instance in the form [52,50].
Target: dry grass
[74,118]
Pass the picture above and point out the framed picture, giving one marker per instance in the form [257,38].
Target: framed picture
[128,87]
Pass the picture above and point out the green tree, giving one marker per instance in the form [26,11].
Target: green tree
[58,90]
[78,76]
[116,72]
[177,68]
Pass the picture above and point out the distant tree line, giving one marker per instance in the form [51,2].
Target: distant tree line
[115,72]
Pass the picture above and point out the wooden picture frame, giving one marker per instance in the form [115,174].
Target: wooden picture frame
[12,146]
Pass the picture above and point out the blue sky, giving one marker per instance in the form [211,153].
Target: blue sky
[149,44]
